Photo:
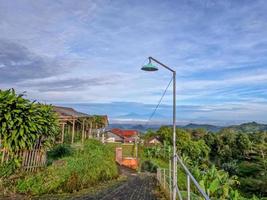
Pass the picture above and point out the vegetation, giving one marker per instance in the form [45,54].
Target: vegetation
[230,164]
[24,123]
[128,150]
[83,168]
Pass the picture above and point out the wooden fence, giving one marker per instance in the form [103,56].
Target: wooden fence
[31,160]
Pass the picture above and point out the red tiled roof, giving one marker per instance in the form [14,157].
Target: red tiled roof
[124,133]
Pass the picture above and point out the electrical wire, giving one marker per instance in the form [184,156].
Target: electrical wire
[161,98]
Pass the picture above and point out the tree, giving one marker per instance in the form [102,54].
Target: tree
[165,134]
[218,184]
[24,123]
[198,133]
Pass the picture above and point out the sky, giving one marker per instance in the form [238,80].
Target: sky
[88,55]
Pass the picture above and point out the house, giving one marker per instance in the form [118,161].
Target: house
[154,140]
[112,137]
[120,135]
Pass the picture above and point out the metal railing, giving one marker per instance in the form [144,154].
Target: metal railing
[164,177]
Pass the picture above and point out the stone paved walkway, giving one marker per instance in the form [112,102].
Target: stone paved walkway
[137,187]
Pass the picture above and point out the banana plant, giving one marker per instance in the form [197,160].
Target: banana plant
[23,122]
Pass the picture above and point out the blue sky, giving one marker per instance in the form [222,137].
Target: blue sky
[88,54]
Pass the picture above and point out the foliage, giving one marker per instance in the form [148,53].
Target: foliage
[159,151]
[8,168]
[82,169]
[217,183]
[127,149]
[59,151]
[149,166]
[229,164]
[23,123]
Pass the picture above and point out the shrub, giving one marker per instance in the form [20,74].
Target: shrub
[149,166]
[59,151]
[87,167]
[7,168]
[23,122]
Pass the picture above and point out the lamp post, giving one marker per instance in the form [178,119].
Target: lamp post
[150,67]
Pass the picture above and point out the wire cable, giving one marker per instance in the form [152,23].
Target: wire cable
[161,98]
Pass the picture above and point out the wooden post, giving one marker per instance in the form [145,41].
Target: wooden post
[62,134]
[164,178]
[73,130]
[83,131]
[3,156]
[90,130]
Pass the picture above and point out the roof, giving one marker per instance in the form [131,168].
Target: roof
[124,133]
[153,138]
[68,112]
[150,139]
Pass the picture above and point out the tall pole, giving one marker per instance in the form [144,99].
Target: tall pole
[174,182]
[174,139]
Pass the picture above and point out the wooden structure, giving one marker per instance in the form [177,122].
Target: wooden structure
[79,124]
[31,160]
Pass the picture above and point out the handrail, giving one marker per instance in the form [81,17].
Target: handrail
[192,178]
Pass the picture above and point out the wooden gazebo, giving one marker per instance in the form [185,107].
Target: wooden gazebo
[77,122]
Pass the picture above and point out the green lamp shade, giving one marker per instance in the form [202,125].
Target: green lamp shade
[149,67]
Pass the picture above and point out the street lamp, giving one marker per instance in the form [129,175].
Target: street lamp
[150,67]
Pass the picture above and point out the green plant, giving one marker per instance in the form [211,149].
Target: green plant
[149,166]
[217,183]
[83,168]
[23,122]
[8,168]
[59,151]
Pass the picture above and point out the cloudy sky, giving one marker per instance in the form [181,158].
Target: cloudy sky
[88,54]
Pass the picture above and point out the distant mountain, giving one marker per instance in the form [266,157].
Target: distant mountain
[208,127]
[250,127]
[134,115]
[139,127]
[143,128]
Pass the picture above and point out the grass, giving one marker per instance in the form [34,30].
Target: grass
[127,149]
[86,167]
[91,192]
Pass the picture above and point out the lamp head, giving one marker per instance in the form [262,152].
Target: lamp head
[149,67]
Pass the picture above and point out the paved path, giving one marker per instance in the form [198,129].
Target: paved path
[137,187]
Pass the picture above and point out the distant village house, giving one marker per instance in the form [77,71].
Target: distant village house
[154,140]
[122,136]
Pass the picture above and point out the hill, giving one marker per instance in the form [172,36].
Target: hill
[208,127]
[250,127]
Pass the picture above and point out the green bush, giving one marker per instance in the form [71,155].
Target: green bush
[7,168]
[23,122]
[149,166]
[84,168]
[59,151]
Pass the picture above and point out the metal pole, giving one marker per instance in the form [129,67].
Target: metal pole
[174,139]
[174,183]
[136,147]
[188,187]
[170,177]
